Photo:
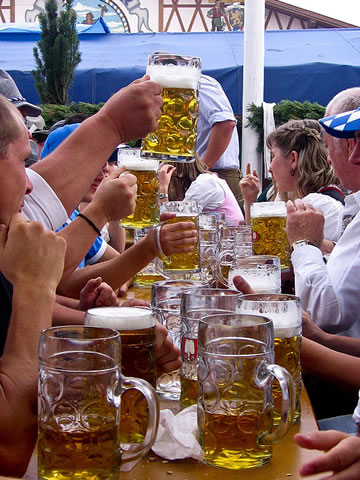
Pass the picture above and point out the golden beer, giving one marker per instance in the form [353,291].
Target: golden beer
[176,134]
[287,354]
[146,279]
[147,210]
[175,138]
[137,328]
[269,238]
[189,391]
[234,441]
[184,262]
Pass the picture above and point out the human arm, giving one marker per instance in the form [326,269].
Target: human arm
[117,236]
[341,457]
[165,173]
[72,167]
[32,259]
[220,136]
[249,186]
[175,237]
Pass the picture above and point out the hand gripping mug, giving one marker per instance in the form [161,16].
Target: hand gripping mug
[80,387]
[147,209]
[175,138]
[137,328]
[286,313]
[235,406]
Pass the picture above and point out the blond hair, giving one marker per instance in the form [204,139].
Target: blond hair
[304,137]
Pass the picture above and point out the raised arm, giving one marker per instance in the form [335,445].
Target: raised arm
[32,260]
[219,140]
[129,114]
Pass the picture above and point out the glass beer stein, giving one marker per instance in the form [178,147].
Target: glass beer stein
[165,301]
[147,209]
[195,304]
[175,138]
[186,211]
[268,224]
[285,312]
[235,406]
[152,272]
[137,328]
[79,392]
[262,272]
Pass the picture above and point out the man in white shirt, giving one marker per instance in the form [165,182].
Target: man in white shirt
[217,140]
[330,292]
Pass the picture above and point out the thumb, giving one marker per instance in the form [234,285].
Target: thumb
[116,173]
[92,284]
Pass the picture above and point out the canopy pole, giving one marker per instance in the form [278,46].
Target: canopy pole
[253,80]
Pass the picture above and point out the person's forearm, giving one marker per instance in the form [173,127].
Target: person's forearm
[247,212]
[115,272]
[117,236]
[66,315]
[81,158]
[219,140]
[327,364]
[348,345]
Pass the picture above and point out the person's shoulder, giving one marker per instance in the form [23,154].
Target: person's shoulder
[209,83]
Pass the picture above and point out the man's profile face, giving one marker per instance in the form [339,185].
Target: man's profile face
[13,180]
[338,157]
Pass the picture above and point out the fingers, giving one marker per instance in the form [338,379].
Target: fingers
[343,454]
[248,169]
[290,207]
[255,173]
[242,285]
[116,173]
[167,355]
[167,216]
[135,302]
[106,296]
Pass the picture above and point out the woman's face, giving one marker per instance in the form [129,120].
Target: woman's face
[280,167]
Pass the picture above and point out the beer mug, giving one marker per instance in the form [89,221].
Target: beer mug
[209,246]
[207,222]
[152,272]
[165,301]
[233,243]
[195,304]
[186,211]
[235,405]
[137,328]
[147,209]
[262,272]
[285,312]
[175,138]
[268,224]
[79,396]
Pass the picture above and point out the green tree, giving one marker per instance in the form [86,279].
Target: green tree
[57,53]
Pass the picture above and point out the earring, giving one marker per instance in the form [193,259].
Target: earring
[292,172]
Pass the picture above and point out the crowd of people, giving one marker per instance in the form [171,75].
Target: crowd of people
[55,215]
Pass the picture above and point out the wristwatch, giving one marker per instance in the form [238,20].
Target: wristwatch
[300,243]
[163,196]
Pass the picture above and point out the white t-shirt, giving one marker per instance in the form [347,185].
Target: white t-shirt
[42,204]
[330,292]
[333,213]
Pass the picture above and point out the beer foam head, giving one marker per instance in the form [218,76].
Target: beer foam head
[268,209]
[120,318]
[132,161]
[175,76]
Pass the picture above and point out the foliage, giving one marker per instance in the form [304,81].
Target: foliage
[54,113]
[57,53]
[283,112]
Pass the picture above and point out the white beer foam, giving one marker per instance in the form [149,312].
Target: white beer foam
[174,76]
[286,324]
[146,165]
[120,318]
[260,282]
[268,209]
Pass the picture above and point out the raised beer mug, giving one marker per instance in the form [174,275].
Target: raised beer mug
[175,138]
[286,314]
[268,224]
[137,328]
[262,272]
[147,208]
[195,304]
[79,395]
[186,211]
[235,406]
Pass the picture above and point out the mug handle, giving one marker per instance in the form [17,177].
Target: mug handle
[288,404]
[137,451]
[221,255]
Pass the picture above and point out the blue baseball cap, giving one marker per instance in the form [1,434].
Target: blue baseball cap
[342,125]
[56,137]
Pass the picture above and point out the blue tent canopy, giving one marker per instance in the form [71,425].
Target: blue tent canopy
[299,64]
